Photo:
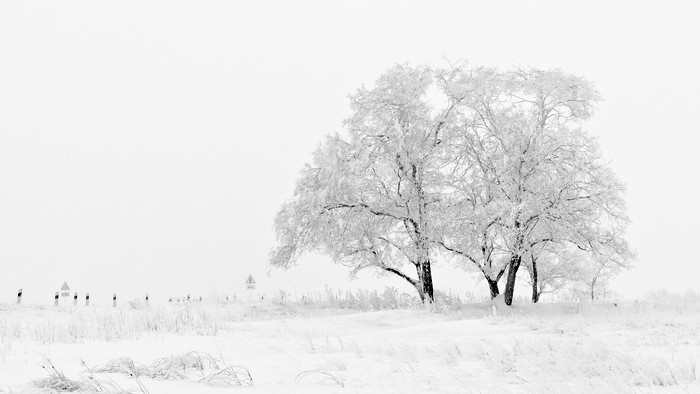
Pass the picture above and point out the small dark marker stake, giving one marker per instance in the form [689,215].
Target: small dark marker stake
[146,298]
[75,299]
[19,297]
[87,299]
[55,300]
[114,300]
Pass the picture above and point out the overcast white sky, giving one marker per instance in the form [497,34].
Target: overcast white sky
[146,146]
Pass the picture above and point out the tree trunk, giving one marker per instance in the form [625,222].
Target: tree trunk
[593,289]
[533,277]
[535,295]
[513,266]
[425,276]
[425,281]
[493,287]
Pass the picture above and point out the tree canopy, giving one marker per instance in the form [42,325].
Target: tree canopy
[493,167]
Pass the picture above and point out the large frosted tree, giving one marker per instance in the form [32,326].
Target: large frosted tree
[526,175]
[472,202]
[491,166]
[557,186]
[371,197]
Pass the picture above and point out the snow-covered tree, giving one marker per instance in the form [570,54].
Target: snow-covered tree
[594,274]
[370,199]
[558,188]
[491,166]
[472,204]
[530,175]
[552,269]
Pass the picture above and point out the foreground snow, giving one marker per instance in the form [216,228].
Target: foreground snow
[298,349]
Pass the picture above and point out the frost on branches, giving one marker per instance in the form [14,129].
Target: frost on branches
[370,198]
[492,167]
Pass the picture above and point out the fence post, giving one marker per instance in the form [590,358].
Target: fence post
[87,299]
[55,300]
[75,299]
[19,297]
[114,300]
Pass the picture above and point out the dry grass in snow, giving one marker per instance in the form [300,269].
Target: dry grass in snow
[548,348]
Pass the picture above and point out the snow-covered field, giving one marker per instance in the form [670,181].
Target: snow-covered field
[292,348]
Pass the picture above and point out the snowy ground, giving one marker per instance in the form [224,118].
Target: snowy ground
[300,349]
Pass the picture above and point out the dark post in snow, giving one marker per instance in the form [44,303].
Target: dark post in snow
[55,300]
[19,297]
[87,299]
[146,298]
[114,300]
[75,299]
[188,297]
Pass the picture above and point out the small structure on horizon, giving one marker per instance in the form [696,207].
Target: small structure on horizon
[250,285]
[65,292]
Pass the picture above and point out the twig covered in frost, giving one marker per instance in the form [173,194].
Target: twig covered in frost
[325,378]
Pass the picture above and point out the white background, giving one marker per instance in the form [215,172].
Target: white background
[146,146]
